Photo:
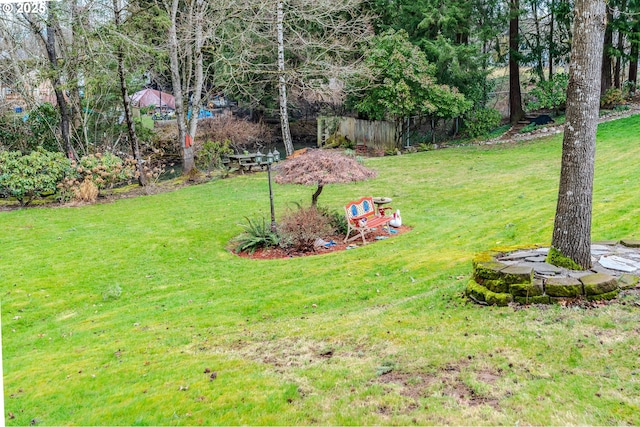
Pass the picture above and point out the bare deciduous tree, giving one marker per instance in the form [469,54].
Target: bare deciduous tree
[284,49]
[193,25]
[124,90]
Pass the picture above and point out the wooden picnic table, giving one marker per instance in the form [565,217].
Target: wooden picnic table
[247,161]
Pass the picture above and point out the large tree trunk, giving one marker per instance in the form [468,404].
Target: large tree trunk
[198,66]
[126,101]
[620,52]
[538,41]
[633,55]
[65,117]
[572,226]
[77,46]
[515,97]
[617,69]
[282,82]
[633,63]
[607,78]
[551,44]
[188,161]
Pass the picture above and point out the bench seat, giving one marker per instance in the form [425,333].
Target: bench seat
[363,218]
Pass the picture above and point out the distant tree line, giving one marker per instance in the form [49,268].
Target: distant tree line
[391,59]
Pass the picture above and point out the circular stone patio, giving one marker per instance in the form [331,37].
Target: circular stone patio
[523,275]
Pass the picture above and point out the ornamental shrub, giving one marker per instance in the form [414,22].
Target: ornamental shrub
[612,97]
[93,173]
[43,124]
[301,228]
[27,177]
[209,155]
[105,170]
[481,121]
[13,133]
[550,94]
[337,220]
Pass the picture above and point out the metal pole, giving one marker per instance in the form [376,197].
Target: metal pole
[273,215]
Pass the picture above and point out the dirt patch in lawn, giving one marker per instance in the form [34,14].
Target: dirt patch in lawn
[447,381]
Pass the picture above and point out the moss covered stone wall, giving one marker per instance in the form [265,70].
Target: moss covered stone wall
[496,283]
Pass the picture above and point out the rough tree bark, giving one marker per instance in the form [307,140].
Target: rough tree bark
[551,41]
[126,101]
[50,46]
[617,71]
[200,7]
[188,161]
[572,226]
[607,78]
[282,82]
[76,53]
[634,40]
[538,40]
[617,68]
[633,63]
[515,97]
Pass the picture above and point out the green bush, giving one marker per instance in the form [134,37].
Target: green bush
[481,121]
[550,93]
[528,128]
[337,220]
[257,234]
[148,109]
[43,122]
[425,146]
[628,89]
[99,171]
[27,177]
[13,133]
[105,170]
[37,129]
[209,155]
[612,97]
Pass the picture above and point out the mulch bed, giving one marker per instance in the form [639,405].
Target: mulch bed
[279,253]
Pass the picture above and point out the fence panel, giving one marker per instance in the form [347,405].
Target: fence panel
[377,135]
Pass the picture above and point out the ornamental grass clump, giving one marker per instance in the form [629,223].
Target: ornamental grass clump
[86,191]
[257,234]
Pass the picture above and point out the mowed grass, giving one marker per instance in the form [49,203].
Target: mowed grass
[112,313]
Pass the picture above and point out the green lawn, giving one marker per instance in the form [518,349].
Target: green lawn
[112,313]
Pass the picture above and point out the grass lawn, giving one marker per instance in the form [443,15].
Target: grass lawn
[112,313]
[147,121]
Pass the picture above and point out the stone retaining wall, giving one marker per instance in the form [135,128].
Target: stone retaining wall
[496,283]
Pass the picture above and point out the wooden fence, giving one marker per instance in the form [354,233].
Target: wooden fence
[377,135]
